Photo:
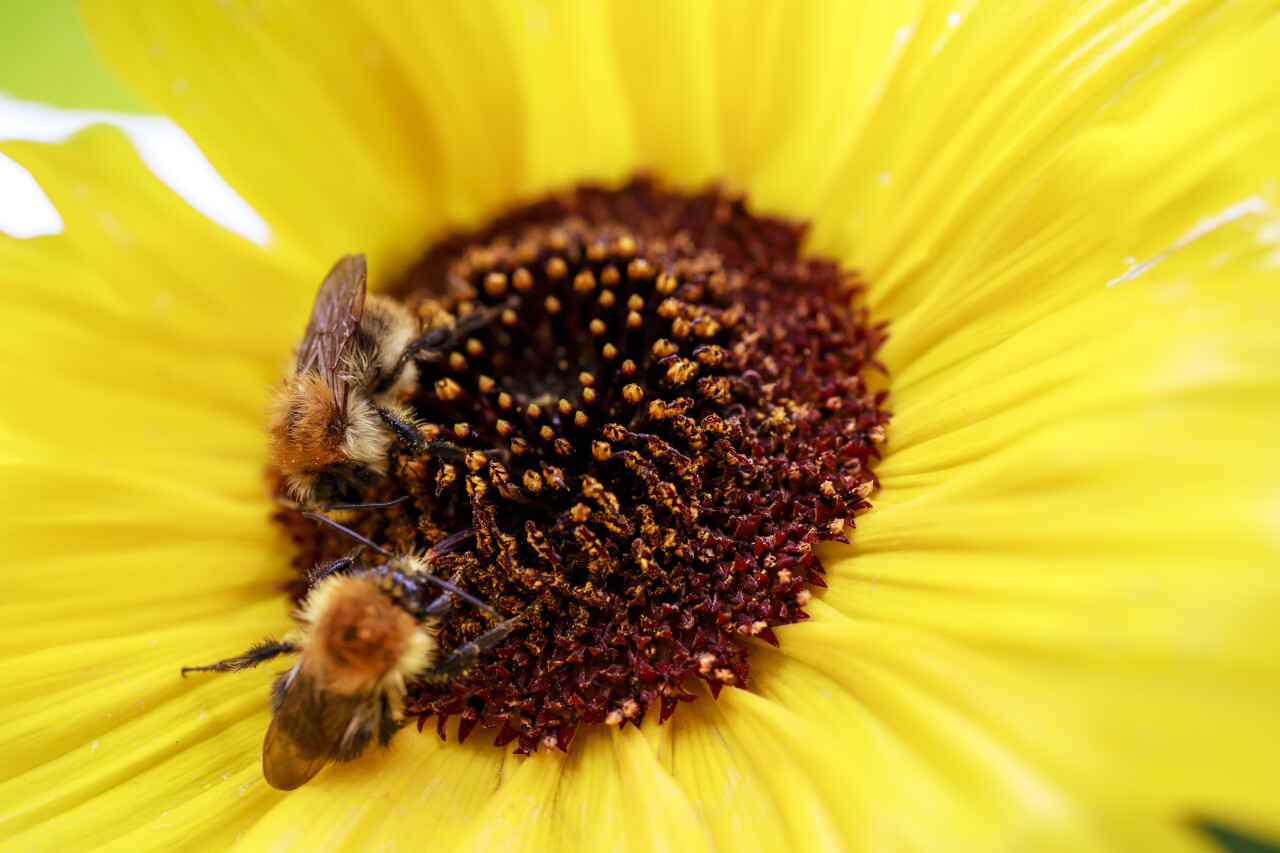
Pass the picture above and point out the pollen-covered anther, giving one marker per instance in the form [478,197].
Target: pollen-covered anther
[446,476]
[584,282]
[495,284]
[447,389]
[640,269]
[668,412]
[714,388]
[681,371]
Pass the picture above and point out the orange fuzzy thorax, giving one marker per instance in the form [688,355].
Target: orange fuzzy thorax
[357,635]
[306,430]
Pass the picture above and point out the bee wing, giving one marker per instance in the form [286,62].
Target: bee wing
[335,316]
[296,746]
[286,763]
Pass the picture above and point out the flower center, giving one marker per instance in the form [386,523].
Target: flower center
[668,412]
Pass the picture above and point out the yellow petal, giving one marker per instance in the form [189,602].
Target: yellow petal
[667,62]
[658,815]
[300,108]
[616,791]
[577,124]
[418,788]
[801,86]
[518,815]
[1023,178]
[1090,504]
[346,139]
[963,737]
[106,740]
[138,447]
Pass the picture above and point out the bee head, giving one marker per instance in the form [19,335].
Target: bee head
[345,484]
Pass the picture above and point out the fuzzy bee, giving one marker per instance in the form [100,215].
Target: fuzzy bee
[366,633]
[336,415]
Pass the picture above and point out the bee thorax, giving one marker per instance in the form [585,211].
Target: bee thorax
[359,639]
[386,329]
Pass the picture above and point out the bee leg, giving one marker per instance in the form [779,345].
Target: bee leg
[449,543]
[441,338]
[342,565]
[476,320]
[439,608]
[259,652]
[405,432]
[465,655]
[446,450]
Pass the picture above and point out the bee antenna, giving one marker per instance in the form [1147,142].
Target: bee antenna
[332,507]
[465,596]
[347,530]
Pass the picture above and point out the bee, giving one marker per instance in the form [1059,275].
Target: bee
[366,633]
[336,415]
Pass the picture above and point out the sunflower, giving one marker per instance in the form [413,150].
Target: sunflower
[1055,629]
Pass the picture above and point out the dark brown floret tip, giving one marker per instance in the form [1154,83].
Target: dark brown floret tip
[671,414]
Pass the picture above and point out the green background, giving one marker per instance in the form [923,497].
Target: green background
[45,55]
